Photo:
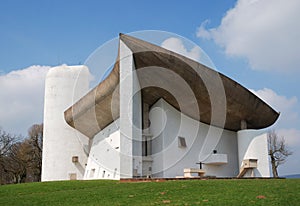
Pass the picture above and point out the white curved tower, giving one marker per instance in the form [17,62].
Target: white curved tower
[253,144]
[64,157]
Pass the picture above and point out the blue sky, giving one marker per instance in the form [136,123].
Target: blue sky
[51,32]
[255,42]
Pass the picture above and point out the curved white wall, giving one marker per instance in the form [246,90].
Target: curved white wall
[104,157]
[252,144]
[169,160]
[64,85]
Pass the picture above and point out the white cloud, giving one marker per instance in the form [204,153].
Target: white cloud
[265,32]
[287,126]
[22,98]
[203,32]
[286,106]
[292,139]
[291,136]
[176,45]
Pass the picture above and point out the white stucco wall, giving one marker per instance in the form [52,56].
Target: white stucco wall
[130,116]
[252,144]
[104,157]
[64,85]
[169,160]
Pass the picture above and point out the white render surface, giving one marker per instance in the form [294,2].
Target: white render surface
[104,157]
[169,160]
[130,116]
[252,144]
[216,159]
[64,85]
[176,141]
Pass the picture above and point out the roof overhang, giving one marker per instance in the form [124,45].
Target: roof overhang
[212,93]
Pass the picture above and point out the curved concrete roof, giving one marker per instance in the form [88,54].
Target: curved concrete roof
[100,106]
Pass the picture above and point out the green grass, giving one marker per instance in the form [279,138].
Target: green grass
[195,192]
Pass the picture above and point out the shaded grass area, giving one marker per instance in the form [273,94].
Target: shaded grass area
[194,192]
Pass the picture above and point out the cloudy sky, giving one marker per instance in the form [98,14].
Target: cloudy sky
[255,42]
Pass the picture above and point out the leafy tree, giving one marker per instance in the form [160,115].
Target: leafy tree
[278,151]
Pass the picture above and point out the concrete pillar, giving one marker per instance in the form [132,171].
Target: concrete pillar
[243,124]
[146,121]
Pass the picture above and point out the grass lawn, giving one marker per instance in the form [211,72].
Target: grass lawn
[194,192]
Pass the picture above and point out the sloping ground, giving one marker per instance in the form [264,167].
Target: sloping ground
[195,192]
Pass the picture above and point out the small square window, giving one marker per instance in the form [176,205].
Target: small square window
[181,142]
[75,159]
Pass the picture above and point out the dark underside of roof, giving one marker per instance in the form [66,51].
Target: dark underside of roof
[204,95]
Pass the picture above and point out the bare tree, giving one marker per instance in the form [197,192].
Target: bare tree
[16,162]
[278,151]
[35,140]
[7,142]
[20,158]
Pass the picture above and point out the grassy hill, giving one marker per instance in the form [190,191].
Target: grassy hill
[194,192]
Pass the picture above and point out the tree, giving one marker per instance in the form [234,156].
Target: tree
[278,151]
[20,158]
[35,141]
[16,162]
[7,142]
